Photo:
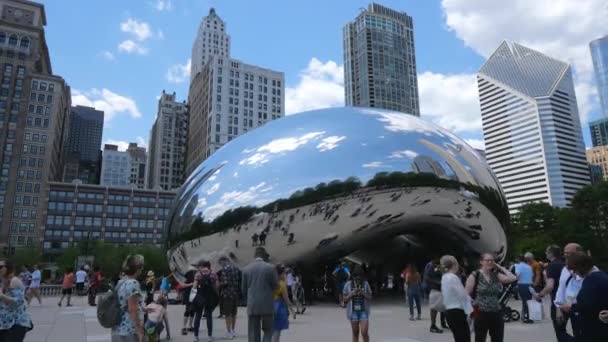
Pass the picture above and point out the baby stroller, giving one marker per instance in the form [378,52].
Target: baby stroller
[508,314]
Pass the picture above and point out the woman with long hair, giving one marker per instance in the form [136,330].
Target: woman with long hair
[282,306]
[15,322]
[455,299]
[413,282]
[485,287]
[358,294]
[130,299]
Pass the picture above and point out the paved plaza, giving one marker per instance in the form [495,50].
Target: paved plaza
[323,322]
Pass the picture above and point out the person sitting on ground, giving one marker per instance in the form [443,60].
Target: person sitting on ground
[157,319]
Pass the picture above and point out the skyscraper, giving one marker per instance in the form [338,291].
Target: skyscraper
[167,147]
[599,55]
[124,168]
[599,132]
[34,118]
[212,39]
[83,147]
[227,97]
[531,126]
[380,61]
[598,163]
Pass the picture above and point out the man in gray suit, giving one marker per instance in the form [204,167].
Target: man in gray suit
[259,281]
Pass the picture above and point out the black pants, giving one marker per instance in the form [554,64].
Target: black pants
[198,315]
[489,322]
[525,296]
[457,320]
[560,326]
[15,334]
[92,295]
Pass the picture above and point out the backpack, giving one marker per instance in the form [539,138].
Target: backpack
[109,312]
[206,296]
[341,275]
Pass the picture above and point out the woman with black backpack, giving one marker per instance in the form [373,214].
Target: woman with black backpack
[206,298]
[485,287]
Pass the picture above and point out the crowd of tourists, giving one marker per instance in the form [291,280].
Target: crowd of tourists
[468,304]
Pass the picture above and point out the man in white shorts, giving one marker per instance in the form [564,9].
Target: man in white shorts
[35,286]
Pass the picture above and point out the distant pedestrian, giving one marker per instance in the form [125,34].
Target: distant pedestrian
[81,277]
[67,285]
[94,283]
[35,286]
[230,290]
[282,306]
[413,283]
[165,286]
[130,298]
[358,294]
[341,275]
[254,239]
[432,276]
[525,276]
[206,300]
[26,278]
[259,281]
[15,321]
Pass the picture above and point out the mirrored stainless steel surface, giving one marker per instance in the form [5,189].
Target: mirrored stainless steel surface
[335,182]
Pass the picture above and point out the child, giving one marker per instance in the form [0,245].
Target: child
[157,319]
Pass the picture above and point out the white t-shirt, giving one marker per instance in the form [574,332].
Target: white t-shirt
[567,294]
[81,276]
[36,277]
[290,279]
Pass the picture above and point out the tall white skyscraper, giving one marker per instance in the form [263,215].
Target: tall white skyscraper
[531,126]
[123,168]
[227,98]
[167,147]
[211,40]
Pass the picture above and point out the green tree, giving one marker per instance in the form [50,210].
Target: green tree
[26,257]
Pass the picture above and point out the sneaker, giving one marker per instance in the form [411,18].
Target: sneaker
[303,310]
[196,339]
[436,330]
[412,318]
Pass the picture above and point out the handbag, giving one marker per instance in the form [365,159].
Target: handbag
[535,310]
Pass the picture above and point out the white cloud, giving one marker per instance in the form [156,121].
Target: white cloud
[108,55]
[236,198]
[451,101]
[403,154]
[141,141]
[278,146]
[321,85]
[558,28]
[179,73]
[107,101]
[374,165]
[330,143]
[476,143]
[213,189]
[129,46]
[122,145]
[164,5]
[139,29]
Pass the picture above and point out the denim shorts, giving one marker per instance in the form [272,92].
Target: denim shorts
[357,316]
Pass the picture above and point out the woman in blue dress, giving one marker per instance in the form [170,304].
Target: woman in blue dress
[282,306]
[15,322]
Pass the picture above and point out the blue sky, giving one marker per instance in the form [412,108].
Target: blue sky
[120,55]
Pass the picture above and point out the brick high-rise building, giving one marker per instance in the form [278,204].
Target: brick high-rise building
[34,118]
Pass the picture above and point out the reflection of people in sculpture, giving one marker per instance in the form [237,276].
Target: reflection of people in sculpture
[290,239]
[254,239]
[263,238]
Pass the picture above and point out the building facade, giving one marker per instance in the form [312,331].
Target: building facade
[83,157]
[599,56]
[597,157]
[599,132]
[167,147]
[531,126]
[34,118]
[212,39]
[123,168]
[77,213]
[380,61]
[226,99]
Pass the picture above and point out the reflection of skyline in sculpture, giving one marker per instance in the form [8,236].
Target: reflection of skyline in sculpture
[425,164]
[328,183]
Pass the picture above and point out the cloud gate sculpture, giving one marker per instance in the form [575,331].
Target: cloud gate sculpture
[370,184]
